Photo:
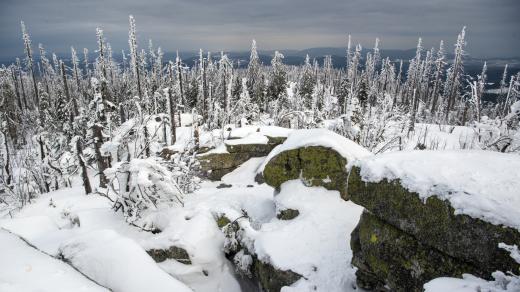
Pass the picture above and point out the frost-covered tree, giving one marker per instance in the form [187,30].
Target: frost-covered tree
[454,77]
[255,82]
[29,61]
[277,79]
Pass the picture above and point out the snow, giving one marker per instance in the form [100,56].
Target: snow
[481,184]
[253,138]
[512,249]
[25,269]
[271,131]
[220,149]
[320,137]
[118,263]
[194,230]
[470,283]
[315,244]
[245,174]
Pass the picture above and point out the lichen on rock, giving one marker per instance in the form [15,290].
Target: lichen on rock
[388,257]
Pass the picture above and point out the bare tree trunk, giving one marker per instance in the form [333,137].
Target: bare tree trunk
[179,78]
[82,165]
[75,111]
[122,116]
[8,160]
[22,87]
[146,148]
[16,89]
[102,164]
[414,112]
[171,102]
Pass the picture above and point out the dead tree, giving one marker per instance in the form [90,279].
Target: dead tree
[83,166]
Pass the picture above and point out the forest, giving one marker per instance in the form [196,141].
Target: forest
[132,130]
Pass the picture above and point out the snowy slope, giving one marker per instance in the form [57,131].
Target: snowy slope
[118,262]
[104,242]
[25,269]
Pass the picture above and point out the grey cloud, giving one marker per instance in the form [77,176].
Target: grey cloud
[276,24]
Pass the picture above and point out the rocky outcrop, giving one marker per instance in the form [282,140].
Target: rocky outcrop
[214,165]
[268,277]
[315,165]
[388,257]
[403,242]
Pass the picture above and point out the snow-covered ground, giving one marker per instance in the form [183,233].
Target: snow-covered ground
[102,251]
[470,283]
[101,245]
[23,268]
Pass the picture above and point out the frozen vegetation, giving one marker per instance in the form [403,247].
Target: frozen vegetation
[151,175]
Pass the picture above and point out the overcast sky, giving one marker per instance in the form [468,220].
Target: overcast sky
[493,25]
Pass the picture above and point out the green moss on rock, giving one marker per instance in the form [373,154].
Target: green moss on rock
[434,223]
[315,165]
[174,252]
[387,256]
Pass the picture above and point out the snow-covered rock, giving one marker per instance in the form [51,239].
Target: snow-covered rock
[481,184]
[118,263]
[457,207]
[318,157]
[244,143]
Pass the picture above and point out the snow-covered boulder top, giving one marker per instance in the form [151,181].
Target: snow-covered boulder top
[271,131]
[320,137]
[252,138]
[480,184]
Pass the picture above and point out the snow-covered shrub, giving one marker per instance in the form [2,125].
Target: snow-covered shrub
[148,184]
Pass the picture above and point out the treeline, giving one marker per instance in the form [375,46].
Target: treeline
[50,108]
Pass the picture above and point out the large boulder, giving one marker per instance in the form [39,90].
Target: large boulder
[435,223]
[390,259]
[318,157]
[315,165]
[456,214]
